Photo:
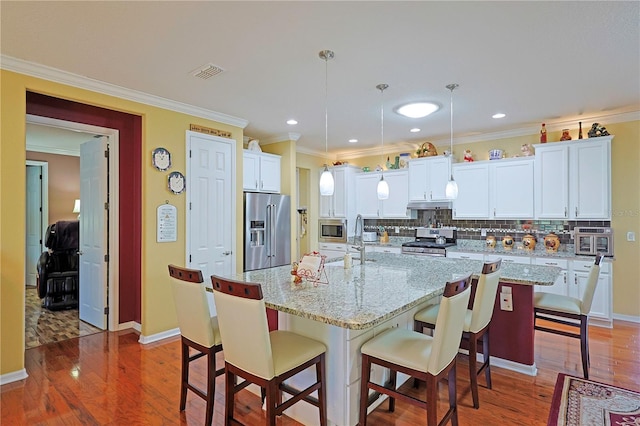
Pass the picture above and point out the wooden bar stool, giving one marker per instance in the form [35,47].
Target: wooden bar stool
[549,307]
[199,330]
[261,357]
[476,324]
[423,357]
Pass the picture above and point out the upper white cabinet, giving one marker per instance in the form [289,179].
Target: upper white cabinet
[573,179]
[260,172]
[367,203]
[511,188]
[498,189]
[473,190]
[341,204]
[428,178]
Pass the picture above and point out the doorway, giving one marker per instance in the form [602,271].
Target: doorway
[42,325]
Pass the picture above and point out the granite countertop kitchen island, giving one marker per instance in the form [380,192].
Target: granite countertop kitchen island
[364,300]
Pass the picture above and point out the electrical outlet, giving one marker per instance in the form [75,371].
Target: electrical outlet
[631,236]
[506,301]
[397,229]
[483,232]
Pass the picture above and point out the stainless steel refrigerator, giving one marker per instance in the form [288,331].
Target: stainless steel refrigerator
[267,230]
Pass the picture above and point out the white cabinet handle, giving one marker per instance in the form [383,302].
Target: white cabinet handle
[494,212]
[424,195]
[431,195]
[565,212]
[256,184]
[576,211]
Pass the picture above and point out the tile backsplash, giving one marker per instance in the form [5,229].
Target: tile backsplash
[471,229]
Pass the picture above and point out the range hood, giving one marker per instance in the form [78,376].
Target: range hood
[428,205]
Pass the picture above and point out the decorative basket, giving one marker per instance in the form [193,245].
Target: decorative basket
[427,149]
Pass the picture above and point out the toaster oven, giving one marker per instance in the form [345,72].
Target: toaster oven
[593,240]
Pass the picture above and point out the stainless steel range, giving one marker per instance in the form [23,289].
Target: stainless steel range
[431,241]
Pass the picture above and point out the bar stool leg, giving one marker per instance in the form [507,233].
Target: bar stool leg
[473,371]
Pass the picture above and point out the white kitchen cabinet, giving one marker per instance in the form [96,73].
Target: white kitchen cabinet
[466,255]
[428,178]
[384,249]
[601,307]
[260,172]
[395,207]
[573,179]
[332,250]
[473,190]
[561,284]
[511,188]
[341,204]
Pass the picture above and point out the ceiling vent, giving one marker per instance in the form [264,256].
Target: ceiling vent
[207,71]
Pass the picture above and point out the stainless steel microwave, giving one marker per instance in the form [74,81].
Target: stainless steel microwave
[332,230]
[593,240]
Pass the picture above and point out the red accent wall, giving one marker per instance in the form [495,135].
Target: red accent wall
[130,159]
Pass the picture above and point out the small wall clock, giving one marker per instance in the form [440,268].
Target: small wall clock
[161,159]
[176,182]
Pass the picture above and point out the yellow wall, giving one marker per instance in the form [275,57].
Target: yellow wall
[160,128]
[313,164]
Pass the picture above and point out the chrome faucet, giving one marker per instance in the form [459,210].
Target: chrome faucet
[358,238]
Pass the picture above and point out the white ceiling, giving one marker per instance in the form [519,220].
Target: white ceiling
[553,62]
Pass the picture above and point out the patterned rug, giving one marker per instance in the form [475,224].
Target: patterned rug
[580,402]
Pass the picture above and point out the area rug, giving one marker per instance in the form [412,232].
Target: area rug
[580,402]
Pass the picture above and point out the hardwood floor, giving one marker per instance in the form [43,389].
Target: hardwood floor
[110,379]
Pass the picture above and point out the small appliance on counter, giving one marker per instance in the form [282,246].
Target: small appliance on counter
[593,240]
[369,236]
[431,241]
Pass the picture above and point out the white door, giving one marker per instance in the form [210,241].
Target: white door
[34,222]
[211,216]
[93,231]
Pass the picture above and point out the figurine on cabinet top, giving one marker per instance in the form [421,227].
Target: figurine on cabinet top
[468,157]
[526,150]
[565,135]
[254,145]
[597,130]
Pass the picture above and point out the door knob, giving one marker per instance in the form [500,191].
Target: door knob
[80,253]
[226,253]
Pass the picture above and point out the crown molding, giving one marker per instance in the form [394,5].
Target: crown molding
[290,136]
[58,76]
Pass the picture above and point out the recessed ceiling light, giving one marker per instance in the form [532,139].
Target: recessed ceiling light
[353,140]
[499,115]
[292,122]
[417,109]
[414,130]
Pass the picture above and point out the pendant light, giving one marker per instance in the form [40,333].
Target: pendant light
[451,190]
[383,186]
[326,179]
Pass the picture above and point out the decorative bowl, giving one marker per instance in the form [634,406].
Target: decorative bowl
[495,154]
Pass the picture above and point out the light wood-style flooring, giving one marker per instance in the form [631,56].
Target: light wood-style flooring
[111,379]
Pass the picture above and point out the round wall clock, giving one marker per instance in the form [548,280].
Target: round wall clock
[161,159]
[176,182]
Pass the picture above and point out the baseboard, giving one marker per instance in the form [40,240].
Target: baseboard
[159,336]
[628,318]
[13,376]
[529,370]
[131,324]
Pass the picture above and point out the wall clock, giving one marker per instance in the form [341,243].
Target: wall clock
[161,159]
[176,182]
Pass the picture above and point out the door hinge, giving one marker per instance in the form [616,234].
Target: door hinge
[189,258]
[190,206]
[40,209]
[40,242]
[106,257]
[40,177]
[106,153]
[106,310]
[106,206]
[189,153]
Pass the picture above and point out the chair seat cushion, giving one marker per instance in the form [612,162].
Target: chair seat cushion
[216,331]
[557,302]
[401,347]
[291,350]
[430,314]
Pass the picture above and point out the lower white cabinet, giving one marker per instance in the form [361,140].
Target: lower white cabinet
[332,250]
[560,286]
[468,256]
[383,249]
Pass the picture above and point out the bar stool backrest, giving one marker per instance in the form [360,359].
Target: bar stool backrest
[590,289]
[485,297]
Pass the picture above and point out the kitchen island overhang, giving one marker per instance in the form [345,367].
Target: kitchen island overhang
[385,292]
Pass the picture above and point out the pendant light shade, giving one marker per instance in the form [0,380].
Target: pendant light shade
[383,186]
[451,190]
[327,184]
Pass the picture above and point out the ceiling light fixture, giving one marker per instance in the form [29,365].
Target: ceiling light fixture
[292,122]
[417,109]
[353,140]
[499,115]
[451,190]
[414,130]
[326,179]
[383,186]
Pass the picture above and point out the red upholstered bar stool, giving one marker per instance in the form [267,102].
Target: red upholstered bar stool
[199,330]
[261,357]
[423,357]
[476,324]
[549,307]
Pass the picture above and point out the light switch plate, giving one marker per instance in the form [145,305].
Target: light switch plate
[631,236]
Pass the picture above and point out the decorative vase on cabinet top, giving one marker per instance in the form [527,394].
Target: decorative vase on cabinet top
[551,242]
[507,242]
[529,242]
